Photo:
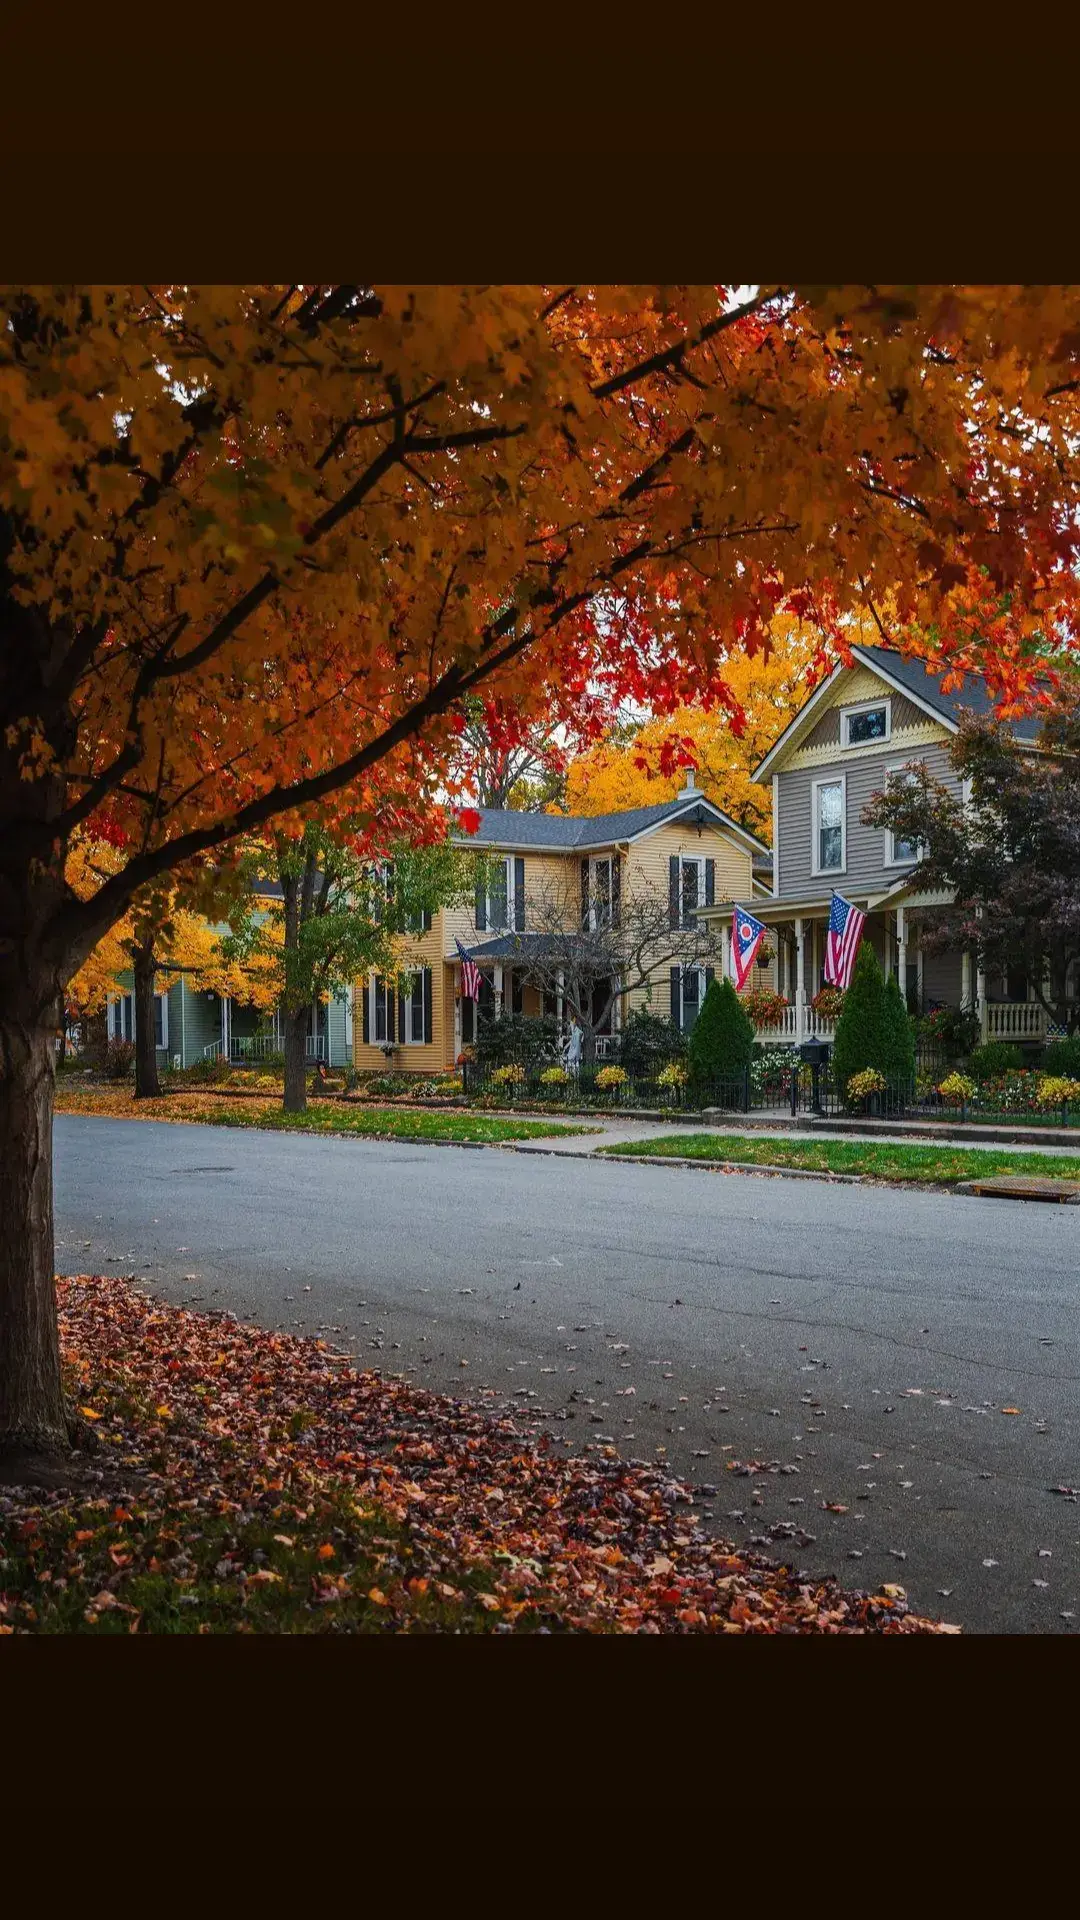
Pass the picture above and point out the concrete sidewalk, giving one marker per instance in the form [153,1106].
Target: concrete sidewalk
[625,1131]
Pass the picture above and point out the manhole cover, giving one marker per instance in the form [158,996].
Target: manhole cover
[1023,1186]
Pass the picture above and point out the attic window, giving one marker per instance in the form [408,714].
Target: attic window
[862,725]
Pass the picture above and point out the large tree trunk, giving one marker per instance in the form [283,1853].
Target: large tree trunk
[32,1418]
[147,1085]
[295,1100]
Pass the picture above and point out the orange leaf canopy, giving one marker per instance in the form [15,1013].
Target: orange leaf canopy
[262,541]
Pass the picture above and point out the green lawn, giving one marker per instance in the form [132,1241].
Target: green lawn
[388,1124]
[941,1164]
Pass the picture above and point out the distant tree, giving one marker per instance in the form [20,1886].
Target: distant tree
[642,766]
[1011,857]
[341,914]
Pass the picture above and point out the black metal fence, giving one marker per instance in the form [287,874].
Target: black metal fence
[775,1085]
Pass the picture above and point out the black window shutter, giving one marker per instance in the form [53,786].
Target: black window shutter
[676,998]
[710,883]
[674,903]
[519,895]
[386,987]
[425,920]
[517,986]
[616,889]
[400,1016]
[584,893]
[389,882]
[365,1001]
[427,1006]
[710,976]
[481,906]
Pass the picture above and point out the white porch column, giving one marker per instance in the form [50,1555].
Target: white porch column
[498,983]
[457,1011]
[800,984]
[965,978]
[560,981]
[901,952]
[726,941]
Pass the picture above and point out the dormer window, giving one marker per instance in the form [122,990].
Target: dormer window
[865,725]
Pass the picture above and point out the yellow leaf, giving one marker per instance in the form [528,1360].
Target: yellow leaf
[89,1414]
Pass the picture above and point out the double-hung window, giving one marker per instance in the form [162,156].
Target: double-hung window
[603,891]
[500,896]
[866,724]
[901,853]
[829,826]
[120,1019]
[382,1010]
[413,1007]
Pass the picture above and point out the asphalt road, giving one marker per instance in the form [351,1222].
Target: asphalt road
[862,1341]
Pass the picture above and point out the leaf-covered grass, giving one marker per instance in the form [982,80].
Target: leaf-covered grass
[321,1116]
[942,1165]
[253,1482]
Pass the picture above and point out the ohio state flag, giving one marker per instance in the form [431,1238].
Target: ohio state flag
[747,935]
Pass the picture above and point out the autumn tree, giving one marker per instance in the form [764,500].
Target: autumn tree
[257,546]
[340,914]
[1009,854]
[650,765]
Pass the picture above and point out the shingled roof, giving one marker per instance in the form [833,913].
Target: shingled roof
[973,697]
[503,827]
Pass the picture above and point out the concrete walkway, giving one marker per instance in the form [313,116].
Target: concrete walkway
[625,1131]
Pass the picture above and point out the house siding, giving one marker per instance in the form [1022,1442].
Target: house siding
[202,1022]
[865,864]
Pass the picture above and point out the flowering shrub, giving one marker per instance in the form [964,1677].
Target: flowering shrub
[511,1075]
[673,1075]
[1054,1090]
[1010,1092]
[609,1078]
[957,1088]
[861,1085]
[829,1002]
[949,1027]
[554,1077]
[764,1007]
[771,1068]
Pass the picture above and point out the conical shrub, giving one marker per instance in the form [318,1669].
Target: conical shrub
[863,1033]
[900,1061]
[721,1038]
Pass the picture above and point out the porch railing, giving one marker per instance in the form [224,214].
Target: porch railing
[1013,1020]
[262,1046]
[788,1029]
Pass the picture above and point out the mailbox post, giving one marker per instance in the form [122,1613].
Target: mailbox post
[815,1052]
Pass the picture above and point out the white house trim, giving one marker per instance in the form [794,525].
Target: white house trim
[796,727]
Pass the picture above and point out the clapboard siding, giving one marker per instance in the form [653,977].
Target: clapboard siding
[867,847]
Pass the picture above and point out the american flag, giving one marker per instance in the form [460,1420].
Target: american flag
[846,925]
[470,974]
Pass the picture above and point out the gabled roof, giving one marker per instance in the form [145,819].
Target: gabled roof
[572,833]
[912,678]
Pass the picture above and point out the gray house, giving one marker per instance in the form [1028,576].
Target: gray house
[191,1024]
[862,724]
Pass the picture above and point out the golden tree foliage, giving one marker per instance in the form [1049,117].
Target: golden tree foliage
[769,688]
[187,945]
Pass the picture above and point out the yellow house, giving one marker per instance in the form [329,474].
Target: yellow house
[684,849]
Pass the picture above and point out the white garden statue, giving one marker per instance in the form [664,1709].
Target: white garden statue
[573,1045]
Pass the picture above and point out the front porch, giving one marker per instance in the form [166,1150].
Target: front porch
[249,1036]
[895,928]
[507,985]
